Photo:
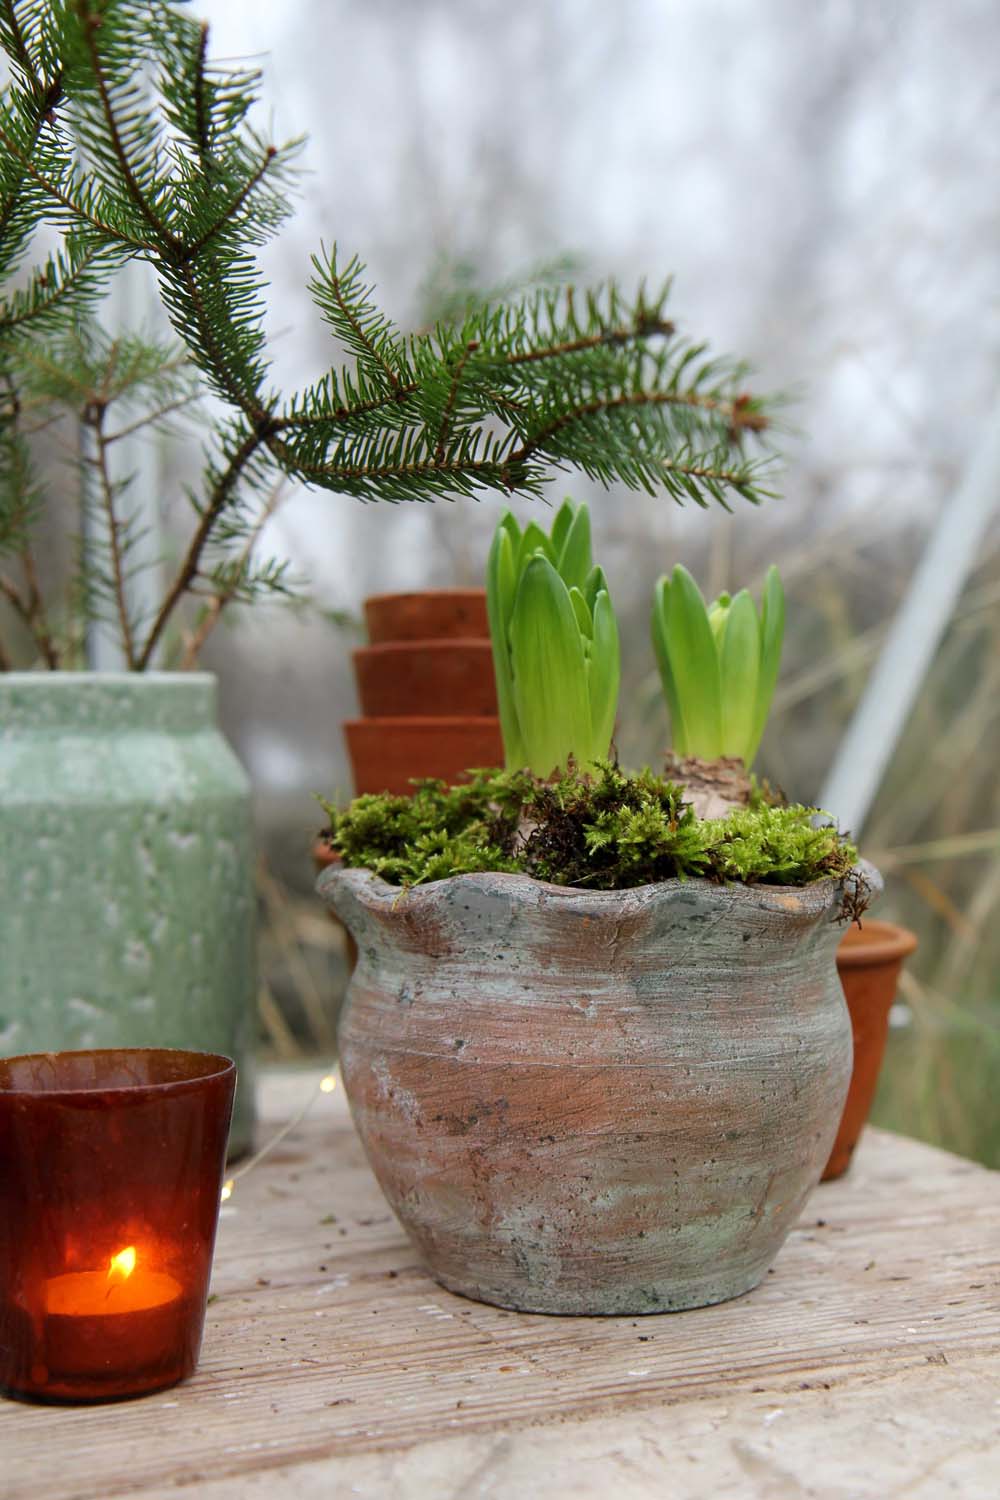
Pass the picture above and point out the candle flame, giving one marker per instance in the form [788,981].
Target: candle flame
[227,1190]
[122,1265]
[328,1084]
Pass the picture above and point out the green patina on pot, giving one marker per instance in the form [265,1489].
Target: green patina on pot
[126,896]
[594,1101]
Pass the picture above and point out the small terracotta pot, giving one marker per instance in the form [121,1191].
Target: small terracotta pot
[426,678]
[868,961]
[594,1101]
[388,754]
[431,615]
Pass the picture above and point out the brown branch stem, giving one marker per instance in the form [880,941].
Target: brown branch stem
[96,417]
[188,569]
[34,627]
[200,111]
[7,323]
[19,43]
[68,203]
[362,337]
[609,337]
[151,417]
[449,405]
[221,598]
[345,413]
[189,252]
[539,439]
[230,386]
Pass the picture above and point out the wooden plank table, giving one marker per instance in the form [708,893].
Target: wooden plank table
[867,1365]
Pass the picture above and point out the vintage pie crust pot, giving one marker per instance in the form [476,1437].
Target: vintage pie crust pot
[594,1102]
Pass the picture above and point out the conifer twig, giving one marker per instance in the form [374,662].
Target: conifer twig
[223,597]
[188,569]
[188,252]
[608,337]
[91,21]
[755,421]
[94,417]
[66,289]
[78,211]
[28,615]
[449,405]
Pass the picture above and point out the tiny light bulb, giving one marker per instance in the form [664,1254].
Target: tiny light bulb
[227,1191]
[328,1084]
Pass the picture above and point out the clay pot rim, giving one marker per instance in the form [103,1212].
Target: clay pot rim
[888,943]
[407,721]
[470,593]
[429,647]
[806,902]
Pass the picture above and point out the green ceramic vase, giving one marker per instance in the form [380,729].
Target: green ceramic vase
[126,894]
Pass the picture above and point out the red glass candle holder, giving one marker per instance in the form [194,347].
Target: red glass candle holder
[111,1167]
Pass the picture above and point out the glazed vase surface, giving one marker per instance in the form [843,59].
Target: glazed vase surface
[594,1102]
[126,871]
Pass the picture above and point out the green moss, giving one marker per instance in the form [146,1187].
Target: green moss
[607,831]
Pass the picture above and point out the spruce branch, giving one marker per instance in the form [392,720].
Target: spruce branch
[14,37]
[91,21]
[226,483]
[28,612]
[121,134]
[95,418]
[229,589]
[200,107]
[189,252]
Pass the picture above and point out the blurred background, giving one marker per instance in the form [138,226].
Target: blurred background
[821,182]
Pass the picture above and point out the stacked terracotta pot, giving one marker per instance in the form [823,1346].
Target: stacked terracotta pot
[427,692]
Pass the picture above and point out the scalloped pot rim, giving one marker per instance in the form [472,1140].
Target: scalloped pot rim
[810,900]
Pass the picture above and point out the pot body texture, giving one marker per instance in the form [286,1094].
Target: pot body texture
[126,860]
[590,1102]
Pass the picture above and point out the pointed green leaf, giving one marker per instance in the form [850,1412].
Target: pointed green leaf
[661,606]
[574,560]
[533,539]
[739,664]
[549,671]
[772,632]
[605,677]
[694,663]
[561,524]
[594,582]
[583,616]
[501,582]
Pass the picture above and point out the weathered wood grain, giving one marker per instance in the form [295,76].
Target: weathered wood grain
[332,1364]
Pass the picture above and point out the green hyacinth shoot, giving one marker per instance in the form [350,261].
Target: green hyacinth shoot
[718,664]
[555,644]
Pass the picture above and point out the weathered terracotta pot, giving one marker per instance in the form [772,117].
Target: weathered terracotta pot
[592,1102]
[430,615]
[426,678]
[868,960]
[388,754]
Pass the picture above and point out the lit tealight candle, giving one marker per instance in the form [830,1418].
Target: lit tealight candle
[96,1322]
[111,1161]
[101,1294]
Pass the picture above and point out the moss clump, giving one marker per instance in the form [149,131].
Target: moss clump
[606,831]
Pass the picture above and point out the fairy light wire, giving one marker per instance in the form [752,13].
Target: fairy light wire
[326,1085]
